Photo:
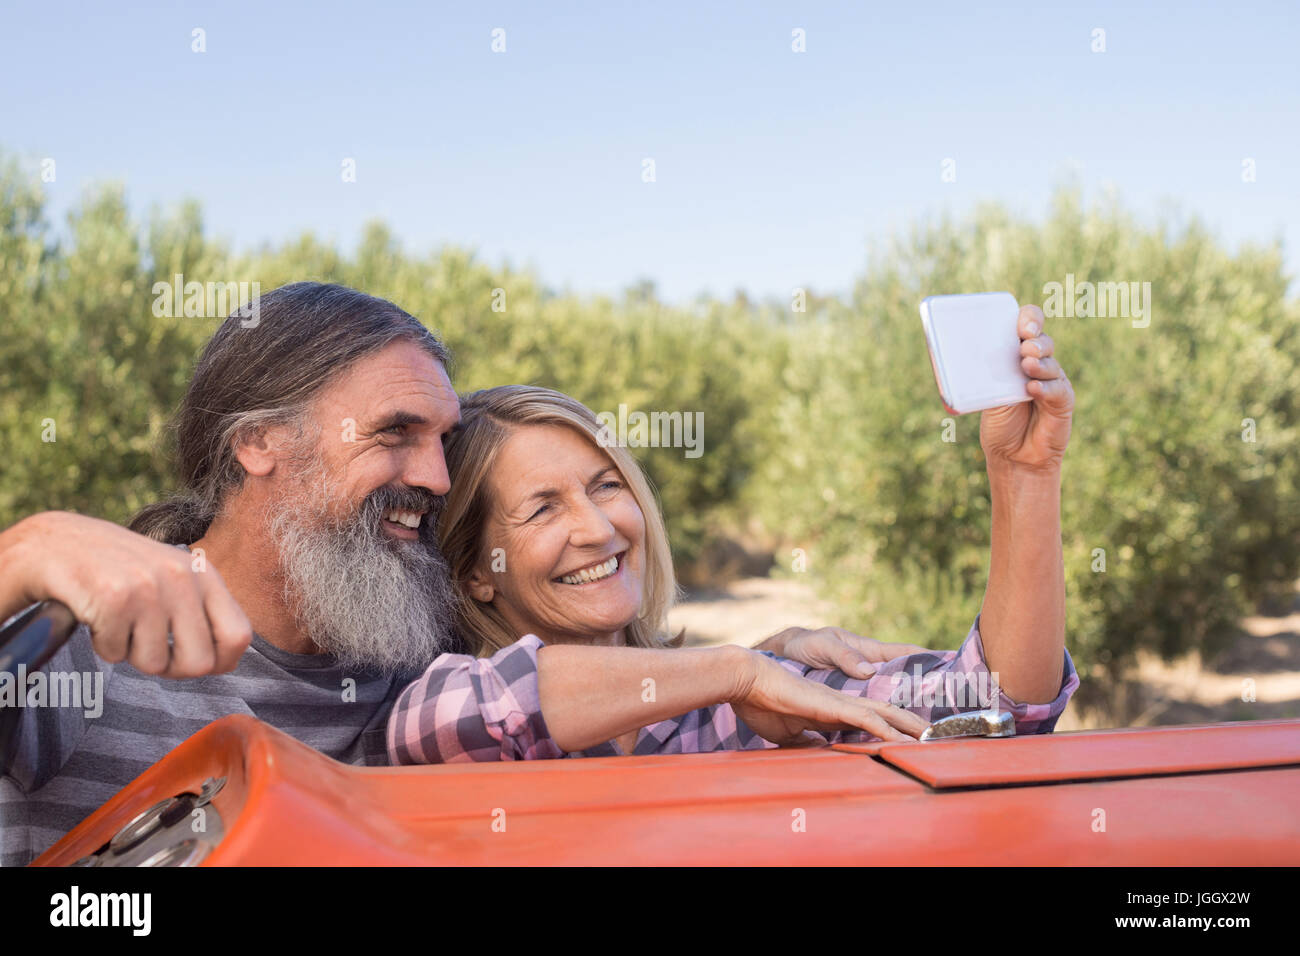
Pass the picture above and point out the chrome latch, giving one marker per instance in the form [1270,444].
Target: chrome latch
[974,723]
[179,831]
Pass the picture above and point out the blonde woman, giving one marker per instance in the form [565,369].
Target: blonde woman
[559,554]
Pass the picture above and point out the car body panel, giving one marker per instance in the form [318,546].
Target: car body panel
[1098,755]
[284,803]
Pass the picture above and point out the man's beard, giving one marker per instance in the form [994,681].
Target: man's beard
[373,601]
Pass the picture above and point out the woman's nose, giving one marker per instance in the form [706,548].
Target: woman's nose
[591,526]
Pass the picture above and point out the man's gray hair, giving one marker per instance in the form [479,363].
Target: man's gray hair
[252,377]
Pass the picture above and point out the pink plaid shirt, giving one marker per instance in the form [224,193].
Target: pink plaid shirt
[469,708]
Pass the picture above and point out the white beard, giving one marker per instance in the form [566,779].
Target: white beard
[373,601]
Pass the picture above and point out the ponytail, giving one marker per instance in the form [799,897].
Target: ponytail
[177,520]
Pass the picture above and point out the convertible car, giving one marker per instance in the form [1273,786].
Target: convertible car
[241,793]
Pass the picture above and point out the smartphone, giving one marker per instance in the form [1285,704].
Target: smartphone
[975,349]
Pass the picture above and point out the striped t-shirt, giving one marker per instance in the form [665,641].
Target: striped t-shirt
[67,764]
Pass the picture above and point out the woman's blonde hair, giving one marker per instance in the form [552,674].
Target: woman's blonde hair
[488,418]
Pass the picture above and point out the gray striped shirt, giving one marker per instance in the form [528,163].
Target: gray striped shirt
[68,764]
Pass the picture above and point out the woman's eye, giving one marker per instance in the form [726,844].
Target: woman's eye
[538,512]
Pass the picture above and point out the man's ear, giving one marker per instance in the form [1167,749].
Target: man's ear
[258,451]
[480,587]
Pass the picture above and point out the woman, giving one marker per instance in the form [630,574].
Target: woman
[552,532]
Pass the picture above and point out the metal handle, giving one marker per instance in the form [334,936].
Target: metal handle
[35,635]
[27,642]
[974,723]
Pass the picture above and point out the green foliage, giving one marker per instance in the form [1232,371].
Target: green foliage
[1195,522]
[89,374]
[822,430]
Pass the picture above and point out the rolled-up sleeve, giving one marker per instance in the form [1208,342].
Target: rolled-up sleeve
[938,684]
[466,708]
[1030,718]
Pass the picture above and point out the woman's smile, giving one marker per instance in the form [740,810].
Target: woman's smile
[596,573]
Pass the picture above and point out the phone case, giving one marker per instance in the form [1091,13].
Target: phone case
[975,349]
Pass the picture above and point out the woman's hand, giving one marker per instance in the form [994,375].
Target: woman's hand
[1022,620]
[828,648]
[781,706]
[1031,435]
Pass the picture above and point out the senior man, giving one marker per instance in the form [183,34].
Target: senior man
[310,453]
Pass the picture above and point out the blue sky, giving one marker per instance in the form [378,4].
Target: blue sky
[773,169]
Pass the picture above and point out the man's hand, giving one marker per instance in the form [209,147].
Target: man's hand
[833,647]
[130,591]
[1032,435]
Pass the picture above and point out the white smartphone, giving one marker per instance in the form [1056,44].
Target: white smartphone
[975,349]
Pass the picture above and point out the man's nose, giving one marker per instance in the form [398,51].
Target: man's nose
[427,469]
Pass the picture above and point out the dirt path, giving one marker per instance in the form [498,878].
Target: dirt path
[1263,662]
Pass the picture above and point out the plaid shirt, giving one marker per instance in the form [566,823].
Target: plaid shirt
[468,708]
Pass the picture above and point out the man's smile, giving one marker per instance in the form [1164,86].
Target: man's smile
[403,524]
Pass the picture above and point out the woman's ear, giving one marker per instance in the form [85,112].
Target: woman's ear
[480,587]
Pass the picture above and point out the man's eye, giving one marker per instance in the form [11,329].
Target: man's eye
[394,430]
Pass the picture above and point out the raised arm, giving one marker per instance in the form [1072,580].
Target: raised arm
[1023,616]
[1022,623]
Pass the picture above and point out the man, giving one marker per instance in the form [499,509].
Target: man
[310,449]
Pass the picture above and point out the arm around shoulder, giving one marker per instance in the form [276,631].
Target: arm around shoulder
[473,708]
